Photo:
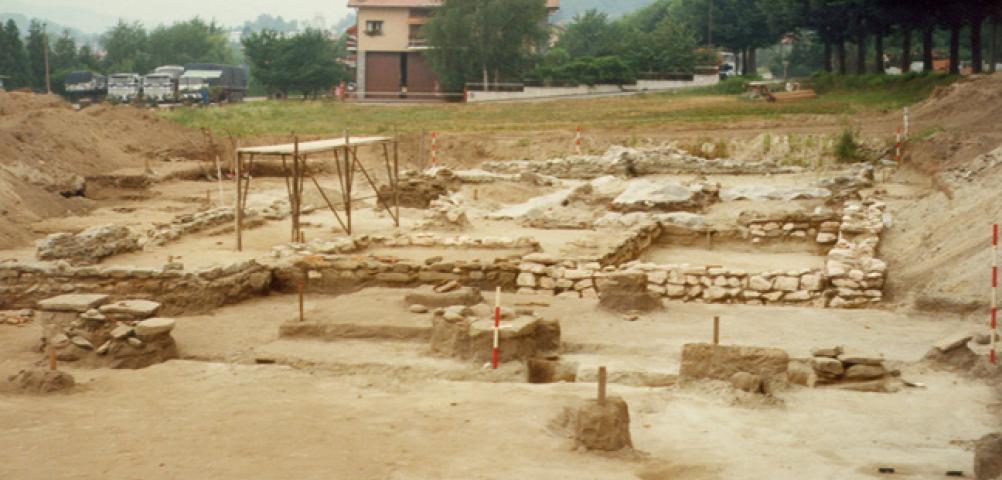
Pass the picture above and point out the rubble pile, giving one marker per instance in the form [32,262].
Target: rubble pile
[851,371]
[446,213]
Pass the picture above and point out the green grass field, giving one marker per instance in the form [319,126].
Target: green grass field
[706,106]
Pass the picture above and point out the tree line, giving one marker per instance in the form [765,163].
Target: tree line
[126,47]
[280,63]
[485,41]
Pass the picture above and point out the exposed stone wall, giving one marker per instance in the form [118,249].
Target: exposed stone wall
[679,282]
[635,162]
[421,239]
[821,228]
[90,245]
[338,273]
[857,275]
[180,291]
[190,223]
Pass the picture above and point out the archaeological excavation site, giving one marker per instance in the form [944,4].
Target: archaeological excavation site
[717,300]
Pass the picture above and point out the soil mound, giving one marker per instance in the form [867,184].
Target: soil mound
[39,380]
[47,148]
[940,245]
[973,103]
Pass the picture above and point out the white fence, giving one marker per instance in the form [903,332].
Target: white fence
[528,93]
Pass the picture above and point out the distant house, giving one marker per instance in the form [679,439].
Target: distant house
[389,58]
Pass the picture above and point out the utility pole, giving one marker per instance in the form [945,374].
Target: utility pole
[45,54]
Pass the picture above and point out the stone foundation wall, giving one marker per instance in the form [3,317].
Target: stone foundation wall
[679,282]
[22,285]
[336,273]
[857,275]
[636,162]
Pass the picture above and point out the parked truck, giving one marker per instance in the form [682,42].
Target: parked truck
[210,83]
[84,86]
[125,87]
[161,85]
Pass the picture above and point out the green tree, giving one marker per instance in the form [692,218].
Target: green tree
[36,46]
[311,58]
[62,61]
[64,52]
[472,39]
[13,57]
[87,59]
[674,47]
[591,35]
[306,62]
[126,46]
[189,42]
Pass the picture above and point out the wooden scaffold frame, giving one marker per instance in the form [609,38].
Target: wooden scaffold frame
[345,157]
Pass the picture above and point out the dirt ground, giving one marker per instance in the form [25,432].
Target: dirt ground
[217,418]
[243,402]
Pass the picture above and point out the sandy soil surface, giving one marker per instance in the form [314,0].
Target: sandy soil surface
[187,419]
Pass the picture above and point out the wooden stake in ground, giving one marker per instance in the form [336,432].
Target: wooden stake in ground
[237,207]
[52,358]
[301,286]
[601,385]
[716,330]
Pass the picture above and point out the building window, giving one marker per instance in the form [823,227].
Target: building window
[374,27]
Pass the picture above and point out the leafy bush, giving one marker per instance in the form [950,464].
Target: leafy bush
[586,71]
[847,149]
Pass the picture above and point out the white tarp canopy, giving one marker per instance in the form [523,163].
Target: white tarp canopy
[315,146]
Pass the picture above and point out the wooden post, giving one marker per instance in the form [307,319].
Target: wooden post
[238,207]
[52,358]
[716,330]
[300,285]
[601,385]
[219,179]
[296,191]
[396,181]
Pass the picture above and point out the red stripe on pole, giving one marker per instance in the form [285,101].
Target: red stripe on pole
[995,276]
[994,318]
[995,235]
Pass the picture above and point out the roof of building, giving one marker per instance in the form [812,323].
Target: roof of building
[416,3]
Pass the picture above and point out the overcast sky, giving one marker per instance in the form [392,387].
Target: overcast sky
[93,16]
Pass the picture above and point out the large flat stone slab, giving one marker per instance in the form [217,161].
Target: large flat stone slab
[154,326]
[135,308]
[72,302]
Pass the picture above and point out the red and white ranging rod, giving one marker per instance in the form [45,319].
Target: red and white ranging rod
[995,287]
[497,325]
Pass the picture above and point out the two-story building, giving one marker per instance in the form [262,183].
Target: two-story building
[390,46]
